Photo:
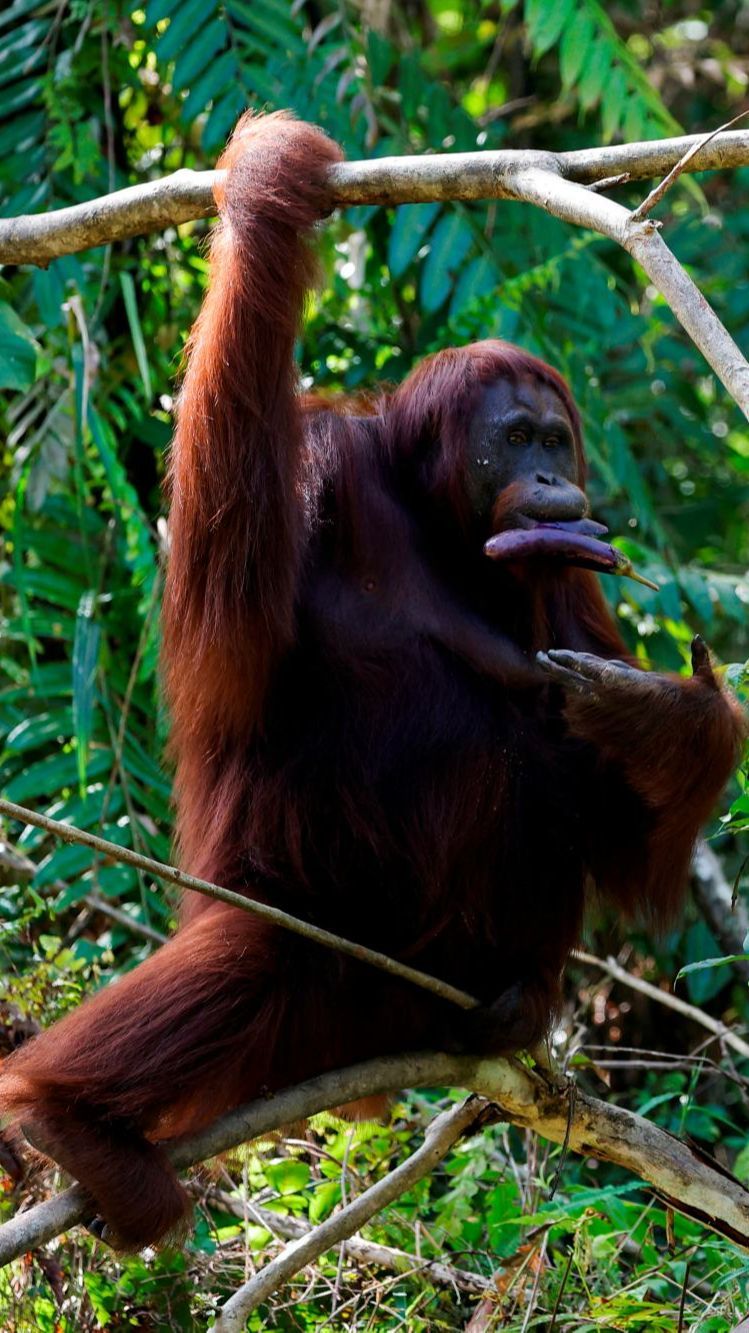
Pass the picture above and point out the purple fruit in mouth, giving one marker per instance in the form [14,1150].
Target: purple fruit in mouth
[567,542]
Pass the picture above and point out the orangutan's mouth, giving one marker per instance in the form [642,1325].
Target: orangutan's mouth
[573,542]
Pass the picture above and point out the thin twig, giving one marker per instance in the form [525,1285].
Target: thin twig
[16,864]
[439,1139]
[98,904]
[273,915]
[367,1253]
[657,194]
[683,1298]
[608,182]
[540,1261]
[614,969]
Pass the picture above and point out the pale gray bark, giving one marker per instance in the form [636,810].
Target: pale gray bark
[676,1171]
[186,195]
[641,239]
[554,182]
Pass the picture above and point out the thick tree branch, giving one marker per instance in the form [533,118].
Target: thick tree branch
[441,1134]
[187,195]
[662,188]
[688,1180]
[553,182]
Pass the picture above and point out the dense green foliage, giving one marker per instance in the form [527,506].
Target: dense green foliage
[94,95]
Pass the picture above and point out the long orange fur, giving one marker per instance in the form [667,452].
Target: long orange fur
[358,730]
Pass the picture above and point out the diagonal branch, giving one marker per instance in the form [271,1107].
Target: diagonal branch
[691,1011]
[368,1253]
[641,239]
[662,188]
[441,1134]
[273,915]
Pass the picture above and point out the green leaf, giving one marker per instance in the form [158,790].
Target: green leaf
[85,662]
[138,762]
[413,87]
[15,58]
[66,862]
[22,132]
[199,55]
[707,963]
[212,81]
[703,983]
[288,1176]
[573,48]
[131,307]
[16,10]
[450,242]
[407,235]
[546,21]
[380,56]
[19,95]
[184,25]
[613,103]
[51,681]
[54,775]
[157,10]
[740,1166]
[477,279]
[262,19]
[592,81]
[323,1201]
[696,590]
[222,117]
[39,730]
[18,351]
[58,589]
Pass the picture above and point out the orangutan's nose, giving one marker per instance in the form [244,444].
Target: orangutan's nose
[547,479]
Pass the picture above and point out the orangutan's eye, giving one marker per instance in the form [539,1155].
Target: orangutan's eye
[517,437]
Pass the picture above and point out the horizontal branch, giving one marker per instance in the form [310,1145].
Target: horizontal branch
[682,1175]
[656,157]
[273,915]
[557,183]
[187,195]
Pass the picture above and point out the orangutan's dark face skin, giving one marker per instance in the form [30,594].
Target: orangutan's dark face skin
[521,437]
